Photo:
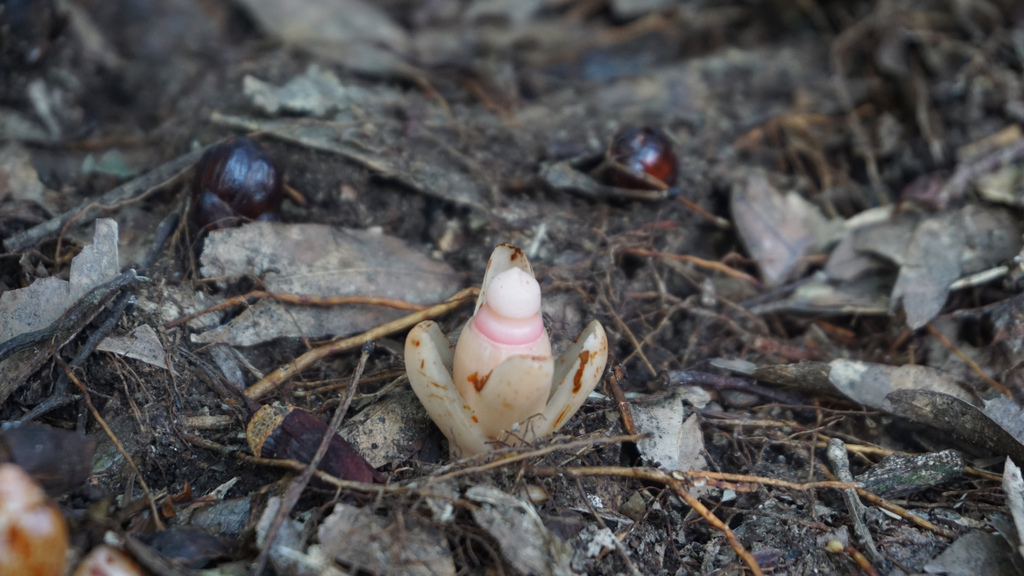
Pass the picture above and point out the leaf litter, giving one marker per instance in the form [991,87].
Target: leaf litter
[887,310]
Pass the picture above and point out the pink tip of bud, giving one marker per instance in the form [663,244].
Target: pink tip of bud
[511,311]
[514,294]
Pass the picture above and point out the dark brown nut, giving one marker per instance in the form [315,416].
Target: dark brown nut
[639,154]
[234,182]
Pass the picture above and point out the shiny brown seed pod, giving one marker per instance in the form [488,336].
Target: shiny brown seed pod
[235,181]
[636,155]
[33,534]
[289,433]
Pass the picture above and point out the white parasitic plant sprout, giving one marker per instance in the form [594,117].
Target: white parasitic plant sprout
[500,384]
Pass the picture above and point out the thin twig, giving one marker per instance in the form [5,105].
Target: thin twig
[300,299]
[58,397]
[585,443]
[621,403]
[716,220]
[113,438]
[836,453]
[277,377]
[698,262]
[150,181]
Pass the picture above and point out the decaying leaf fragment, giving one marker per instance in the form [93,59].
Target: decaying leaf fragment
[520,533]
[1013,487]
[675,440]
[962,421]
[40,304]
[931,263]
[358,539]
[319,260]
[866,383]
[777,230]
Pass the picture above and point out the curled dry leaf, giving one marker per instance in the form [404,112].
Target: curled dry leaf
[963,421]
[866,383]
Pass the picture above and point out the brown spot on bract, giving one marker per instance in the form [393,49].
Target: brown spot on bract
[416,343]
[477,381]
[516,254]
[558,421]
[423,363]
[475,419]
[577,379]
[435,384]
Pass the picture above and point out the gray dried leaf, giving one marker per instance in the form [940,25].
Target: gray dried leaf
[775,229]
[868,383]
[993,236]
[142,344]
[972,554]
[961,420]
[867,295]
[304,22]
[315,259]
[931,264]
[888,239]
[675,442]
[630,9]
[361,540]
[1013,487]
[286,553]
[21,182]
[316,92]
[903,474]
[44,301]
[845,263]
[515,12]
[1005,186]
[520,533]
[356,34]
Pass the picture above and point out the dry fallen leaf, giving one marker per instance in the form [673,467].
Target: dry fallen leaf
[314,259]
[356,34]
[777,230]
[676,441]
[44,301]
[972,554]
[866,383]
[359,539]
[1013,487]
[142,344]
[931,264]
[520,533]
[962,421]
